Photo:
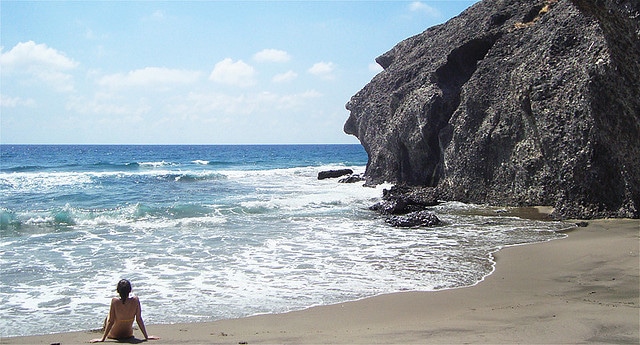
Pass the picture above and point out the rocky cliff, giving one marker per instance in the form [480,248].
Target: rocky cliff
[513,102]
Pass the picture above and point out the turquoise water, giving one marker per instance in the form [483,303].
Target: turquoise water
[216,232]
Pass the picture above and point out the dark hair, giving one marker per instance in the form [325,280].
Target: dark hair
[124,288]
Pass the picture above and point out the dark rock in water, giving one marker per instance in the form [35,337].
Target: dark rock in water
[414,219]
[405,199]
[334,173]
[352,179]
[513,103]
[388,207]
[422,196]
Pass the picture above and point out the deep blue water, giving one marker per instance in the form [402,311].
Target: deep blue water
[54,181]
[217,232]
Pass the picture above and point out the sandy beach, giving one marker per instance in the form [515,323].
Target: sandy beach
[582,289]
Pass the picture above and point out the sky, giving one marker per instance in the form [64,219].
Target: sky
[194,72]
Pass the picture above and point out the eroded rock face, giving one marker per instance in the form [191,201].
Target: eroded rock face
[513,103]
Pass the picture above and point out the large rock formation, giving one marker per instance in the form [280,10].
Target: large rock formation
[513,102]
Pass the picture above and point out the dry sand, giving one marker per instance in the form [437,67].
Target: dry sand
[582,289]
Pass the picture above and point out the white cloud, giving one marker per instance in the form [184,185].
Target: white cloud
[150,77]
[27,54]
[233,73]
[323,70]
[272,55]
[60,81]
[284,77]
[39,61]
[418,6]
[14,102]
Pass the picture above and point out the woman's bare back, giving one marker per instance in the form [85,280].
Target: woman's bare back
[123,315]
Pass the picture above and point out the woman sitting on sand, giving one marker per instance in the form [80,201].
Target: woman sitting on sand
[119,322]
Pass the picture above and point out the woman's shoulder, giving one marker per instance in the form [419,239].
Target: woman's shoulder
[117,299]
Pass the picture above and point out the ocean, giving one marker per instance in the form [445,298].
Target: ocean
[209,232]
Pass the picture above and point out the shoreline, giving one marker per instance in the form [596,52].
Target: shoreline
[583,288]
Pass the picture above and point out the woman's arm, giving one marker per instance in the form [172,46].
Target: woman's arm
[111,319]
[141,322]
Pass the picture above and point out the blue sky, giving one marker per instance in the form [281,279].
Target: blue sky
[202,72]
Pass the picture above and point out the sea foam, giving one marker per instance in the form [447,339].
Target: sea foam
[218,240]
